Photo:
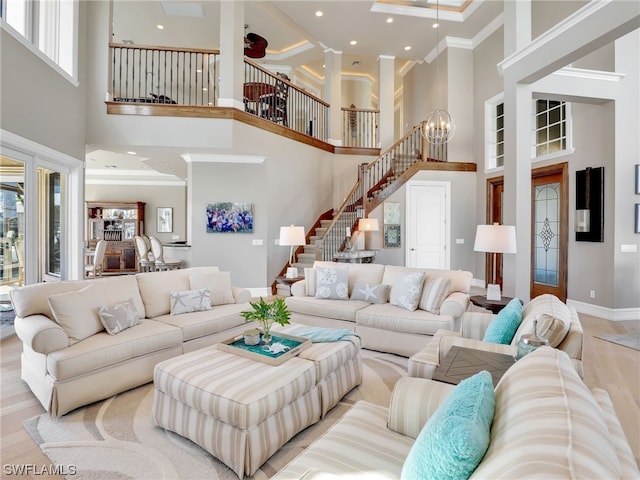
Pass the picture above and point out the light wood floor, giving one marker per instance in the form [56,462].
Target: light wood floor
[609,366]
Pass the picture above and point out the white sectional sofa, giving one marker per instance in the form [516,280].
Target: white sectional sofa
[546,424]
[69,360]
[387,326]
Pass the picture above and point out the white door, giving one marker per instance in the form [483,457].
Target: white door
[427,226]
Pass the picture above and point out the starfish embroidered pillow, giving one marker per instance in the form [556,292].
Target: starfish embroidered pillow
[370,292]
[332,283]
[187,301]
[406,291]
[118,317]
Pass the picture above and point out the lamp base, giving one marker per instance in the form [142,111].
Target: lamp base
[493,292]
[292,272]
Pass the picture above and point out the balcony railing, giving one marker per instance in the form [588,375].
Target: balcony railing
[147,74]
[274,97]
[360,127]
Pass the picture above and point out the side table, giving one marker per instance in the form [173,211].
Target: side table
[461,363]
[283,287]
[493,305]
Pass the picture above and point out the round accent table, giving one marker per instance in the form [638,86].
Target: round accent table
[493,305]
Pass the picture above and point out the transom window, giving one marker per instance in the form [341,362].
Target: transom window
[550,127]
[551,130]
[47,26]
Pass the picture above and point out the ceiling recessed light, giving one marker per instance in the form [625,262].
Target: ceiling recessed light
[407,48]
[130,152]
[389,20]
[353,42]
[160,27]
[319,13]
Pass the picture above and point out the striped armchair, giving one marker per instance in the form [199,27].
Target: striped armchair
[557,322]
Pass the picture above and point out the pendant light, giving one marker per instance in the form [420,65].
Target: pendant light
[439,127]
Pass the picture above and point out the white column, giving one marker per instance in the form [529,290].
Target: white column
[517,159]
[333,93]
[386,100]
[231,54]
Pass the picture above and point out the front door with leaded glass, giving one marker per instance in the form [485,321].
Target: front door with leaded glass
[549,232]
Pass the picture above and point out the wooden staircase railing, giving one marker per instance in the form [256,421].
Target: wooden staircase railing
[387,172]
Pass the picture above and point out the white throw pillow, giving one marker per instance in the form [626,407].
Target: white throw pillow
[77,312]
[370,292]
[218,283]
[187,301]
[434,292]
[118,317]
[310,281]
[332,283]
[406,291]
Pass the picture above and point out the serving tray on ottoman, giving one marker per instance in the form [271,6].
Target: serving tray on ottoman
[258,353]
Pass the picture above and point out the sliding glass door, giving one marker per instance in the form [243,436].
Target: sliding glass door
[12,223]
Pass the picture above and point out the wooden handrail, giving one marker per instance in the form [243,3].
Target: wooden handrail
[291,85]
[168,49]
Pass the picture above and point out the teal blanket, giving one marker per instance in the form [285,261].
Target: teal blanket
[319,334]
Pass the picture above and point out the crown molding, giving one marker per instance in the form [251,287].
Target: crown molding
[217,158]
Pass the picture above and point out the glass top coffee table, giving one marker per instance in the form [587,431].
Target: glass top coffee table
[461,363]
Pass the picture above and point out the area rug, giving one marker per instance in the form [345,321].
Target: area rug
[116,438]
[630,340]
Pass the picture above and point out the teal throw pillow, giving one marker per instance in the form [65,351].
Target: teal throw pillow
[504,326]
[456,437]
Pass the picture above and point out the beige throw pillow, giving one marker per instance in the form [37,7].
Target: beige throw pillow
[553,315]
[77,312]
[118,317]
[218,283]
[434,292]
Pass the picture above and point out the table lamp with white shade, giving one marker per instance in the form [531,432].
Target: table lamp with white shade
[292,236]
[494,239]
[368,225]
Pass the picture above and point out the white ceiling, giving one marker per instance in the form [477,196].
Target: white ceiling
[297,38]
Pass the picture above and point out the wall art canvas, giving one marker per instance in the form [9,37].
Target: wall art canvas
[392,212]
[392,236]
[229,217]
[164,220]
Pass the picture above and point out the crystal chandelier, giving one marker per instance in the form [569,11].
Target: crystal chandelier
[438,127]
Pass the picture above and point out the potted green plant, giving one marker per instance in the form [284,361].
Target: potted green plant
[267,313]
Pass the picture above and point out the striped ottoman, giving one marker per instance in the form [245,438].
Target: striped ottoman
[338,367]
[239,410]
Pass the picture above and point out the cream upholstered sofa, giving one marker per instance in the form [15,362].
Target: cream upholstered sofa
[557,322]
[383,326]
[546,424]
[69,360]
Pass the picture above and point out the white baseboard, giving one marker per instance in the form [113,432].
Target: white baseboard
[613,314]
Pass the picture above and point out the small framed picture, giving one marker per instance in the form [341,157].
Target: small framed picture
[392,213]
[392,236]
[638,179]
[164,220]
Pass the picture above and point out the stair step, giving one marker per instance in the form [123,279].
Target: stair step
[325,223]
[310,249]
[320,231]
[307,258]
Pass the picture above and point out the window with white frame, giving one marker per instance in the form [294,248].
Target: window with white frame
[48,26]
[494,132]
[551,128]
